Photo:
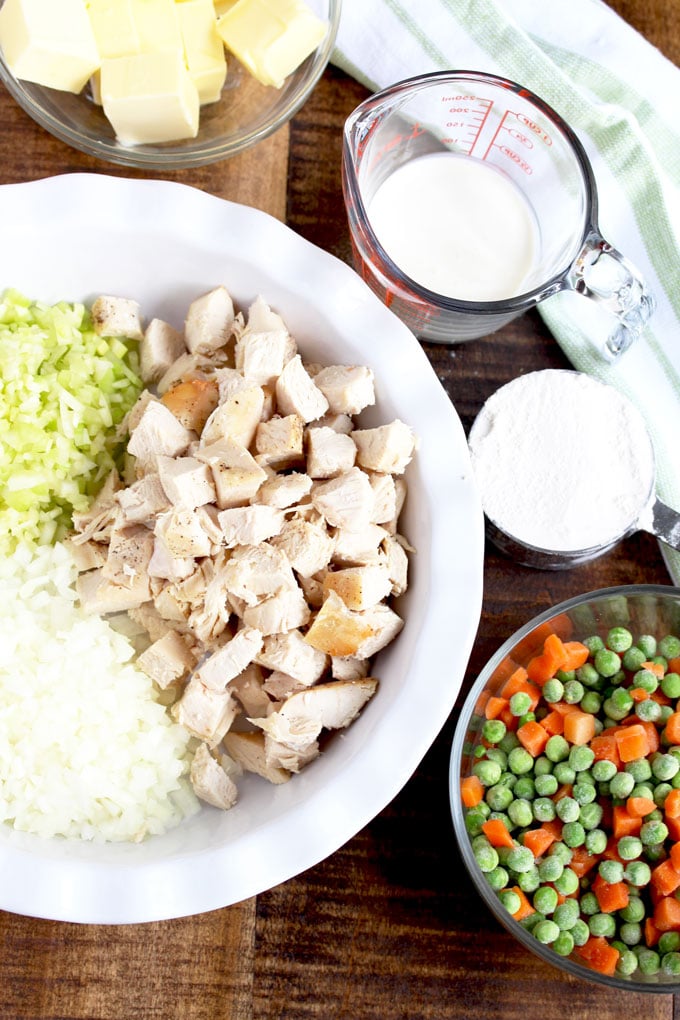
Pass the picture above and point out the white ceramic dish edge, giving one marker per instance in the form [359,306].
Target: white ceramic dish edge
[73,236]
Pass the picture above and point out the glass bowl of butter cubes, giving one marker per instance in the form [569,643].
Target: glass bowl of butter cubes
[164,84]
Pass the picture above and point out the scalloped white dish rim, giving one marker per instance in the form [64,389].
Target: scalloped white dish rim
[74,236]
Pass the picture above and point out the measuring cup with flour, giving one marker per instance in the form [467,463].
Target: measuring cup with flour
[470,201]
[565,468]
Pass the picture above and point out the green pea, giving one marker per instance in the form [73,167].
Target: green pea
[665,766]
[497,755]
[543,809]
[637,873]
[573,834]
[619,639]
[629,848]
[567,809]
[593,643]
[557,748]
[565,674]
[670,964]
[498,878]
[602,925]
[553,690]
[524,788]
[647,644]
[573,692]
[529,881]
[633,658]
[589,904]
[499,797]
[545,899]
[645,680]
[634,911]
[655,853]
[639,769]
[581,757]
[509,741]
[486,857]
[520,859]
[669,646]
[607,662]
[520,812]
[649,962]
[510,900]
[648,710]
[653,833]
[580,932]
[564,773]
[621,699]
[630,933]
[520,761]
[596,841]
[494,730]
[488,772]
[670,685]
[567,883]
[545,785]
[669,942]
[546,932]
[603,770]
[563,944]
[550,869]
[627,963]
[588,675]
[520,702]
[474,820]
[591,702]
[614,712]
[542,767]
[584,793]
[590,816]
[611,871]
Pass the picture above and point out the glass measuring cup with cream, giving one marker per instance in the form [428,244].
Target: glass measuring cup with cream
[469,201]
[565,468]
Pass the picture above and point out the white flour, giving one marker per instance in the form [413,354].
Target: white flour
[562,461]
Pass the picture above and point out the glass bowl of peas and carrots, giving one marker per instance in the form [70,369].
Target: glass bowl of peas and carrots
[565,786]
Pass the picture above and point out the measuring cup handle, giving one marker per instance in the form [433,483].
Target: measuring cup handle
[602,273]
[664,522]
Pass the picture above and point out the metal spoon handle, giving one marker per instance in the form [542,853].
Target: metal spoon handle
[663,522]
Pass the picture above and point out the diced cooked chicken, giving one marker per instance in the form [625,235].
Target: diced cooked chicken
[346,501]
[192,401]
[340,631]
[285,490]
[384,498]
[210,782]
[255,571]
[186,481]
[262,319]
[157,432]
[290,653]
[230,382]
[204,713]
[248,750]
[279,686]
[329,706]
[95,523]
[99,595]
[181,531]
[230,659]
[356,548]
[160,347]
[338,422]
[279,442]
[149,619]
[142,501]
[313,588]
[264,348]
[349,667]
[386,448]
[236,474]
[86,555]
[190,366]
[116,316]
[293,760]
[279,613]
[250,525]
[297,393]
[396,561]
[164,566]
[307,544]
[347,388]
[359,587]
[170,607]
[209,321]
[130,550]
[248,688]
[329,453]
[237,418]
[167,660]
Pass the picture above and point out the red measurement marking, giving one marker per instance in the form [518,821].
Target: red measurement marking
[540,132]
[521,163]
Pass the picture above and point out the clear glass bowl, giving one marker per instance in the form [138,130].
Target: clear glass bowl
[246,113]
[643,609]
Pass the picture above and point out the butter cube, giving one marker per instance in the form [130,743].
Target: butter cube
[150,97]
[203,47]
[157,25]
[49,42]
[271,37]
[114,27]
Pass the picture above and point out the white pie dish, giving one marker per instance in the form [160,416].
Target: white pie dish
[75,236]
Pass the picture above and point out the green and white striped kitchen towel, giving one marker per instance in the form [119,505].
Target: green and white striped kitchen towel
[620,95]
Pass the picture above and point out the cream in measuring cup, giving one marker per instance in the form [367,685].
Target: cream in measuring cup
[565,468]
[490,175]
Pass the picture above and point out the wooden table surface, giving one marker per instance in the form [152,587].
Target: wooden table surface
[388,927]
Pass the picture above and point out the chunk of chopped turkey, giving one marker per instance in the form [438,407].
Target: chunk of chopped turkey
[384,497]
[237,418]
[329,706]
[346,501]
[142,501]
[86,555]
[284,490]
[248,688]
[279,442]
[130,550]
[170,606]
[236,474]
[150,620]
[347,388]
[116,316]
[192,401]
[248,750]
[210,782]
[186,481]
[160,347]
[255,571]
[167,660]
[356,548]
[250,525]
[340,631]
[204,713]
[293,760]
[181,531]
[209,321]
[290,653]
[349,667]
[387,448]
[157,432]
[359,587]
[279,613]
[279,686]
[307,544]
[297,393]
[230,659]
[396,561]
[329,453]
[101,596]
